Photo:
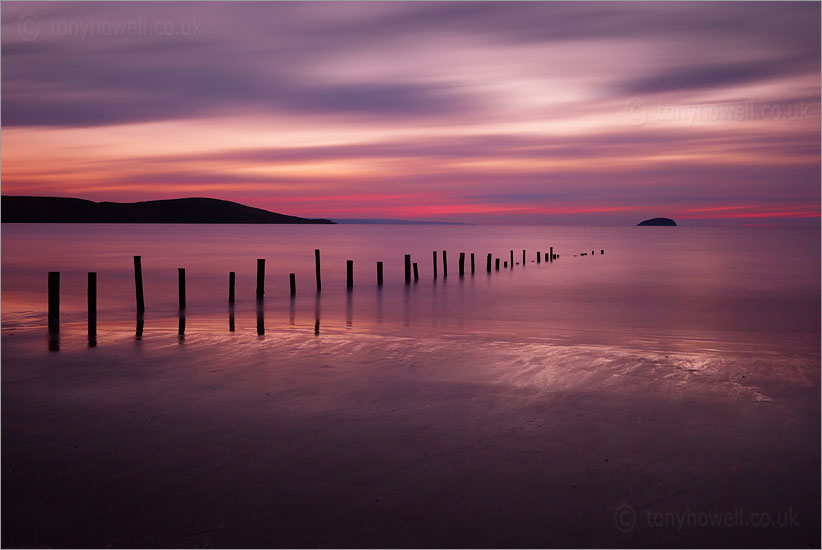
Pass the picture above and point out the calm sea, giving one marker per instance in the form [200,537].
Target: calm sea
[684,288]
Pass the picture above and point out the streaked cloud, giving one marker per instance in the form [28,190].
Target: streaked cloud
[482,112]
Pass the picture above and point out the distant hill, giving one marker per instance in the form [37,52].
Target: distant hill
[19,209]
[391,222]
[658,221]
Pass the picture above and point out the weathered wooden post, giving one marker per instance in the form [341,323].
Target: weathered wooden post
[92,294]
[138,284]
[379,273]
[139,327]
[538,256]
[472,263]
[505,264]
[231,317]
[349,274]
[462,264]
[552,253]
[523,257]
[435,264]
[54,301]
[260,278]
[416,273]
[292,280]
[496,264]
[444,265]
[181,326]
[92,309]
[512,259]
[260,319]
[602,252]
[230,287]
[488,264]
[317,268]
[181,286]
[408,269]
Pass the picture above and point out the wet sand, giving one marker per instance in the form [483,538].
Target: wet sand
[356,439]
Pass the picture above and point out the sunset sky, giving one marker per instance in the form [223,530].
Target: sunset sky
[543,113]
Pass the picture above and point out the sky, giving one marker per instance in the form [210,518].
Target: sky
[491,113]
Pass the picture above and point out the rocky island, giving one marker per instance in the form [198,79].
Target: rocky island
[658,221]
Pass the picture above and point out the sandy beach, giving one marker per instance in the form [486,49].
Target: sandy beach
[356,439]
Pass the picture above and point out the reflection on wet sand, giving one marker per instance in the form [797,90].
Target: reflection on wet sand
[317,314]
[181,326]
[92,331]
[349,313]
[406,303]
[54,338]
[379,305]
[260,319]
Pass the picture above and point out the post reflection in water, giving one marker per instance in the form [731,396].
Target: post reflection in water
[260,319]
[405,305]
[181,327]
[317,314]
[349,313]
[379,305]
[139,330]
[92,331]
[54,338]
[231,317]
[291,311]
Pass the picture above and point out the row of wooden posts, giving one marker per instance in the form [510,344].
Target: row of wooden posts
[410,267]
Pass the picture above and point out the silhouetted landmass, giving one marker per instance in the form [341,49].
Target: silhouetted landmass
[20,209]
[658,221]
[391,222]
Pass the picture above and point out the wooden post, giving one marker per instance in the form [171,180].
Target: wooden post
[317,268]
[349,271]
[538,256]
[444,265]
[231,318]
[260,278]
[472,263]
[512,259]
[488,264]
[592,253]
[416,273]
[435,264]
[230,287]
[552,253]
[523,257]
[54,300]
[92,294]
[92,309]
[181,326]
[181,286]
[496,265]
[379,273]
[408,269]
[260,319]
[138,284]
[462,264]
[505,264]
[602,252]
[292,280]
